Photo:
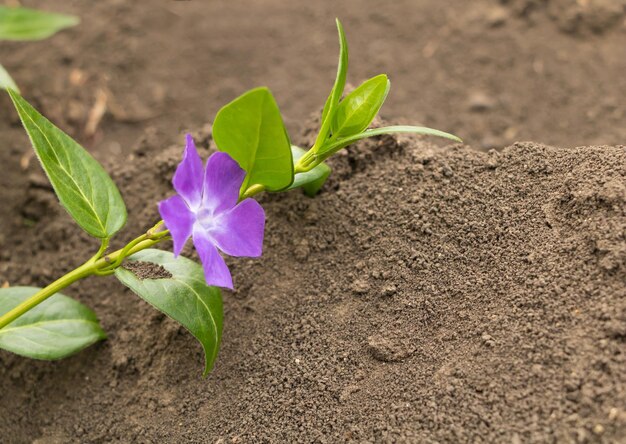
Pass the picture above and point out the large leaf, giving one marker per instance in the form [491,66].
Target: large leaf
[184,296]
[83,187]
[6,82]
[251,130]
[30,24]
[310,181]
[355,113]
[54,329]
[335,93]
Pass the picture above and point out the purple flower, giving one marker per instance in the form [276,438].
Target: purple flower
[206,209]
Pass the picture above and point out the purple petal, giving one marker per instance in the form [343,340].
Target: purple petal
[178,219]
[222,181]
[239,232]
[215,269]
[188,177]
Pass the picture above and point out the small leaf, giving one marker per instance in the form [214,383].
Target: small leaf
[357,110]
[342,73]
[335,94]
[251,130]
[185,297]
[6,82]
[54,329]
[310,181]
[333,147]
[30,24]
[82,185]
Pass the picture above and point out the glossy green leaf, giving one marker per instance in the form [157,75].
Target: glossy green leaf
[31,24]
[82,185]
[54,329]
[185,297]
[335,94]
[310,181]
[357,110]
[6,82]
[251,130]
[333,147]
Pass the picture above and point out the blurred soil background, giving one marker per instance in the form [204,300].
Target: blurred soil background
[493,72]
[381,346]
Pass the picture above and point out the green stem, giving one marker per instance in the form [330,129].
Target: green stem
[103,247]
[324,130]
[307,162]
[79,273]
[252,191]
[95,265]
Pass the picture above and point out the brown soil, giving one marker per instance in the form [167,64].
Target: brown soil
[427,295]
[147,270]
[443,295]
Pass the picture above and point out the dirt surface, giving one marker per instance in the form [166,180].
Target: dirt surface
[427,295]
[147,270]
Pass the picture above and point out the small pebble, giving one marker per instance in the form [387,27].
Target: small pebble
[598,429]
[360,286]
[496,16]
[480,102]
[389,290]
[488,340]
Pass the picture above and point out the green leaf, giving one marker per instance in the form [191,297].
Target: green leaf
[185,297]
[310,181]
[335,94]
[54,329]
[6,82]
[357,110]
[83,187]
[30,24]
[251,130]
[332,148]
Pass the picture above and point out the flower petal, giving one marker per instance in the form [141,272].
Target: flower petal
[222,181]
[215,269]
[239,232]
[178,219]
[188,176]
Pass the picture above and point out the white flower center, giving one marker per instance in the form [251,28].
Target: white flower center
[206,218]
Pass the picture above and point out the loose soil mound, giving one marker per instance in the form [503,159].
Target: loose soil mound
[427,295]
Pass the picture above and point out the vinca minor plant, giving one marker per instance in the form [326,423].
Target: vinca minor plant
[213,205]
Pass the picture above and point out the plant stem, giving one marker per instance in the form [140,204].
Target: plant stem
[103,247]
[93,266]
[43,294]
[307,162]
[252,191]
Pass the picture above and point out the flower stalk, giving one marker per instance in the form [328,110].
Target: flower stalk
[96,265]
